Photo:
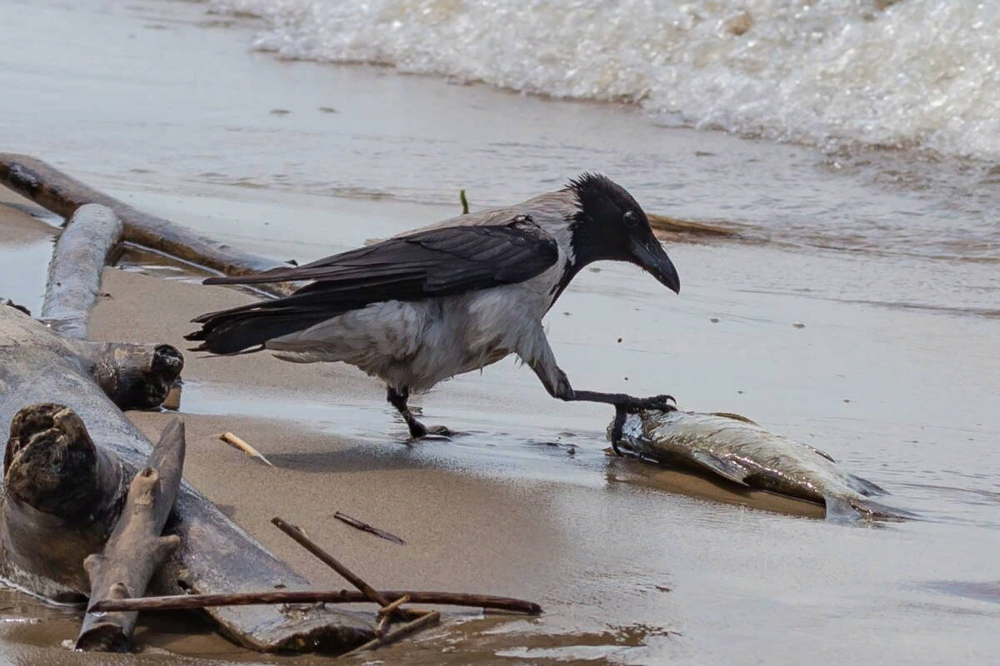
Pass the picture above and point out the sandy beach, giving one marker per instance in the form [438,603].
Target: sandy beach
[857,313]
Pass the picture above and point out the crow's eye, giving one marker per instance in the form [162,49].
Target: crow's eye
[630,218]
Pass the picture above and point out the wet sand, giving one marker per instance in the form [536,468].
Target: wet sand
[894,372]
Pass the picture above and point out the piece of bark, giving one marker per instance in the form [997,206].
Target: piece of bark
[44,552]
[136,548]
[83,249]
[198,601]
[63,194]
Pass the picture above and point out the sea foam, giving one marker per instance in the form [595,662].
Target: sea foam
[922,73]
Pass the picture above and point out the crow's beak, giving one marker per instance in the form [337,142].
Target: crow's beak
[649,255]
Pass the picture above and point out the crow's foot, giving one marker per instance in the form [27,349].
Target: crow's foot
[660,402]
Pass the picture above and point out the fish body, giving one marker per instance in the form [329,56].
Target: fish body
[741,451]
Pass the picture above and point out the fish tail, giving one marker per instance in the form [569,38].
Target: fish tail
[854,509]
[864,486]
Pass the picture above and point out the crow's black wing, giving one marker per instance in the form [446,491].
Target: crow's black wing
[437,262]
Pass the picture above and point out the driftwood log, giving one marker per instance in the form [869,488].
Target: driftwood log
[136,548]
[63,195]
[47,529]
[84,247]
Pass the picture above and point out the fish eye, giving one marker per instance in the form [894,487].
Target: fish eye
[630,218]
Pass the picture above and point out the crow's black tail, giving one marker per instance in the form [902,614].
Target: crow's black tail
[241,329]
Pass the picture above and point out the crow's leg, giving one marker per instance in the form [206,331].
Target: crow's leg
[629,403]
[398,398]
[616,428]
[537,353]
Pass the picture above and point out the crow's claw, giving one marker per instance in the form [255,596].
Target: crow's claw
[660,402]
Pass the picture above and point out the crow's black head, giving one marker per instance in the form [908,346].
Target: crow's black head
[611,225]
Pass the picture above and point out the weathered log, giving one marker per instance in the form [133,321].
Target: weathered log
[133,376]
[63,194]
[43,552]
[57,484]
[195,601]
[85,246]
[135,549]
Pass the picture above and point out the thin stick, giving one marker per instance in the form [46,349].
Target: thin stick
[383,625]
[237,443]
[365,527]
[200,601]
[385,615]
[326,558]
[387,610]
[400,632]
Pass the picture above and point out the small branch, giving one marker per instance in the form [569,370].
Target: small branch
[388,610]
[383,623]
[365,527]
[135,549]
[200,601]
[83,250]
[402,631]
[465,202]
[370,592]
[237,443]
[385,614]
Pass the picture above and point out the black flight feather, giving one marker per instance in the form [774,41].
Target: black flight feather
[438,262]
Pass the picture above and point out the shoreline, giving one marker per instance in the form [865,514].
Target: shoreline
[634,565]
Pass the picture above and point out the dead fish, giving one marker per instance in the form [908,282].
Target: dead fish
[738,449]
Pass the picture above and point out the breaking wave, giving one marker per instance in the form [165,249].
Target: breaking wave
[921,73]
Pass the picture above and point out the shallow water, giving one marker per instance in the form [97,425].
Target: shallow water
[839,72]
[888,259]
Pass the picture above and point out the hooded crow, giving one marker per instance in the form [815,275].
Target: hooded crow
[424,306]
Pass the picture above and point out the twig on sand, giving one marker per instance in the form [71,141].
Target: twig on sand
[237,443]
[200,601]
[365,527]
[329,560]
[465,202]
[402,631]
